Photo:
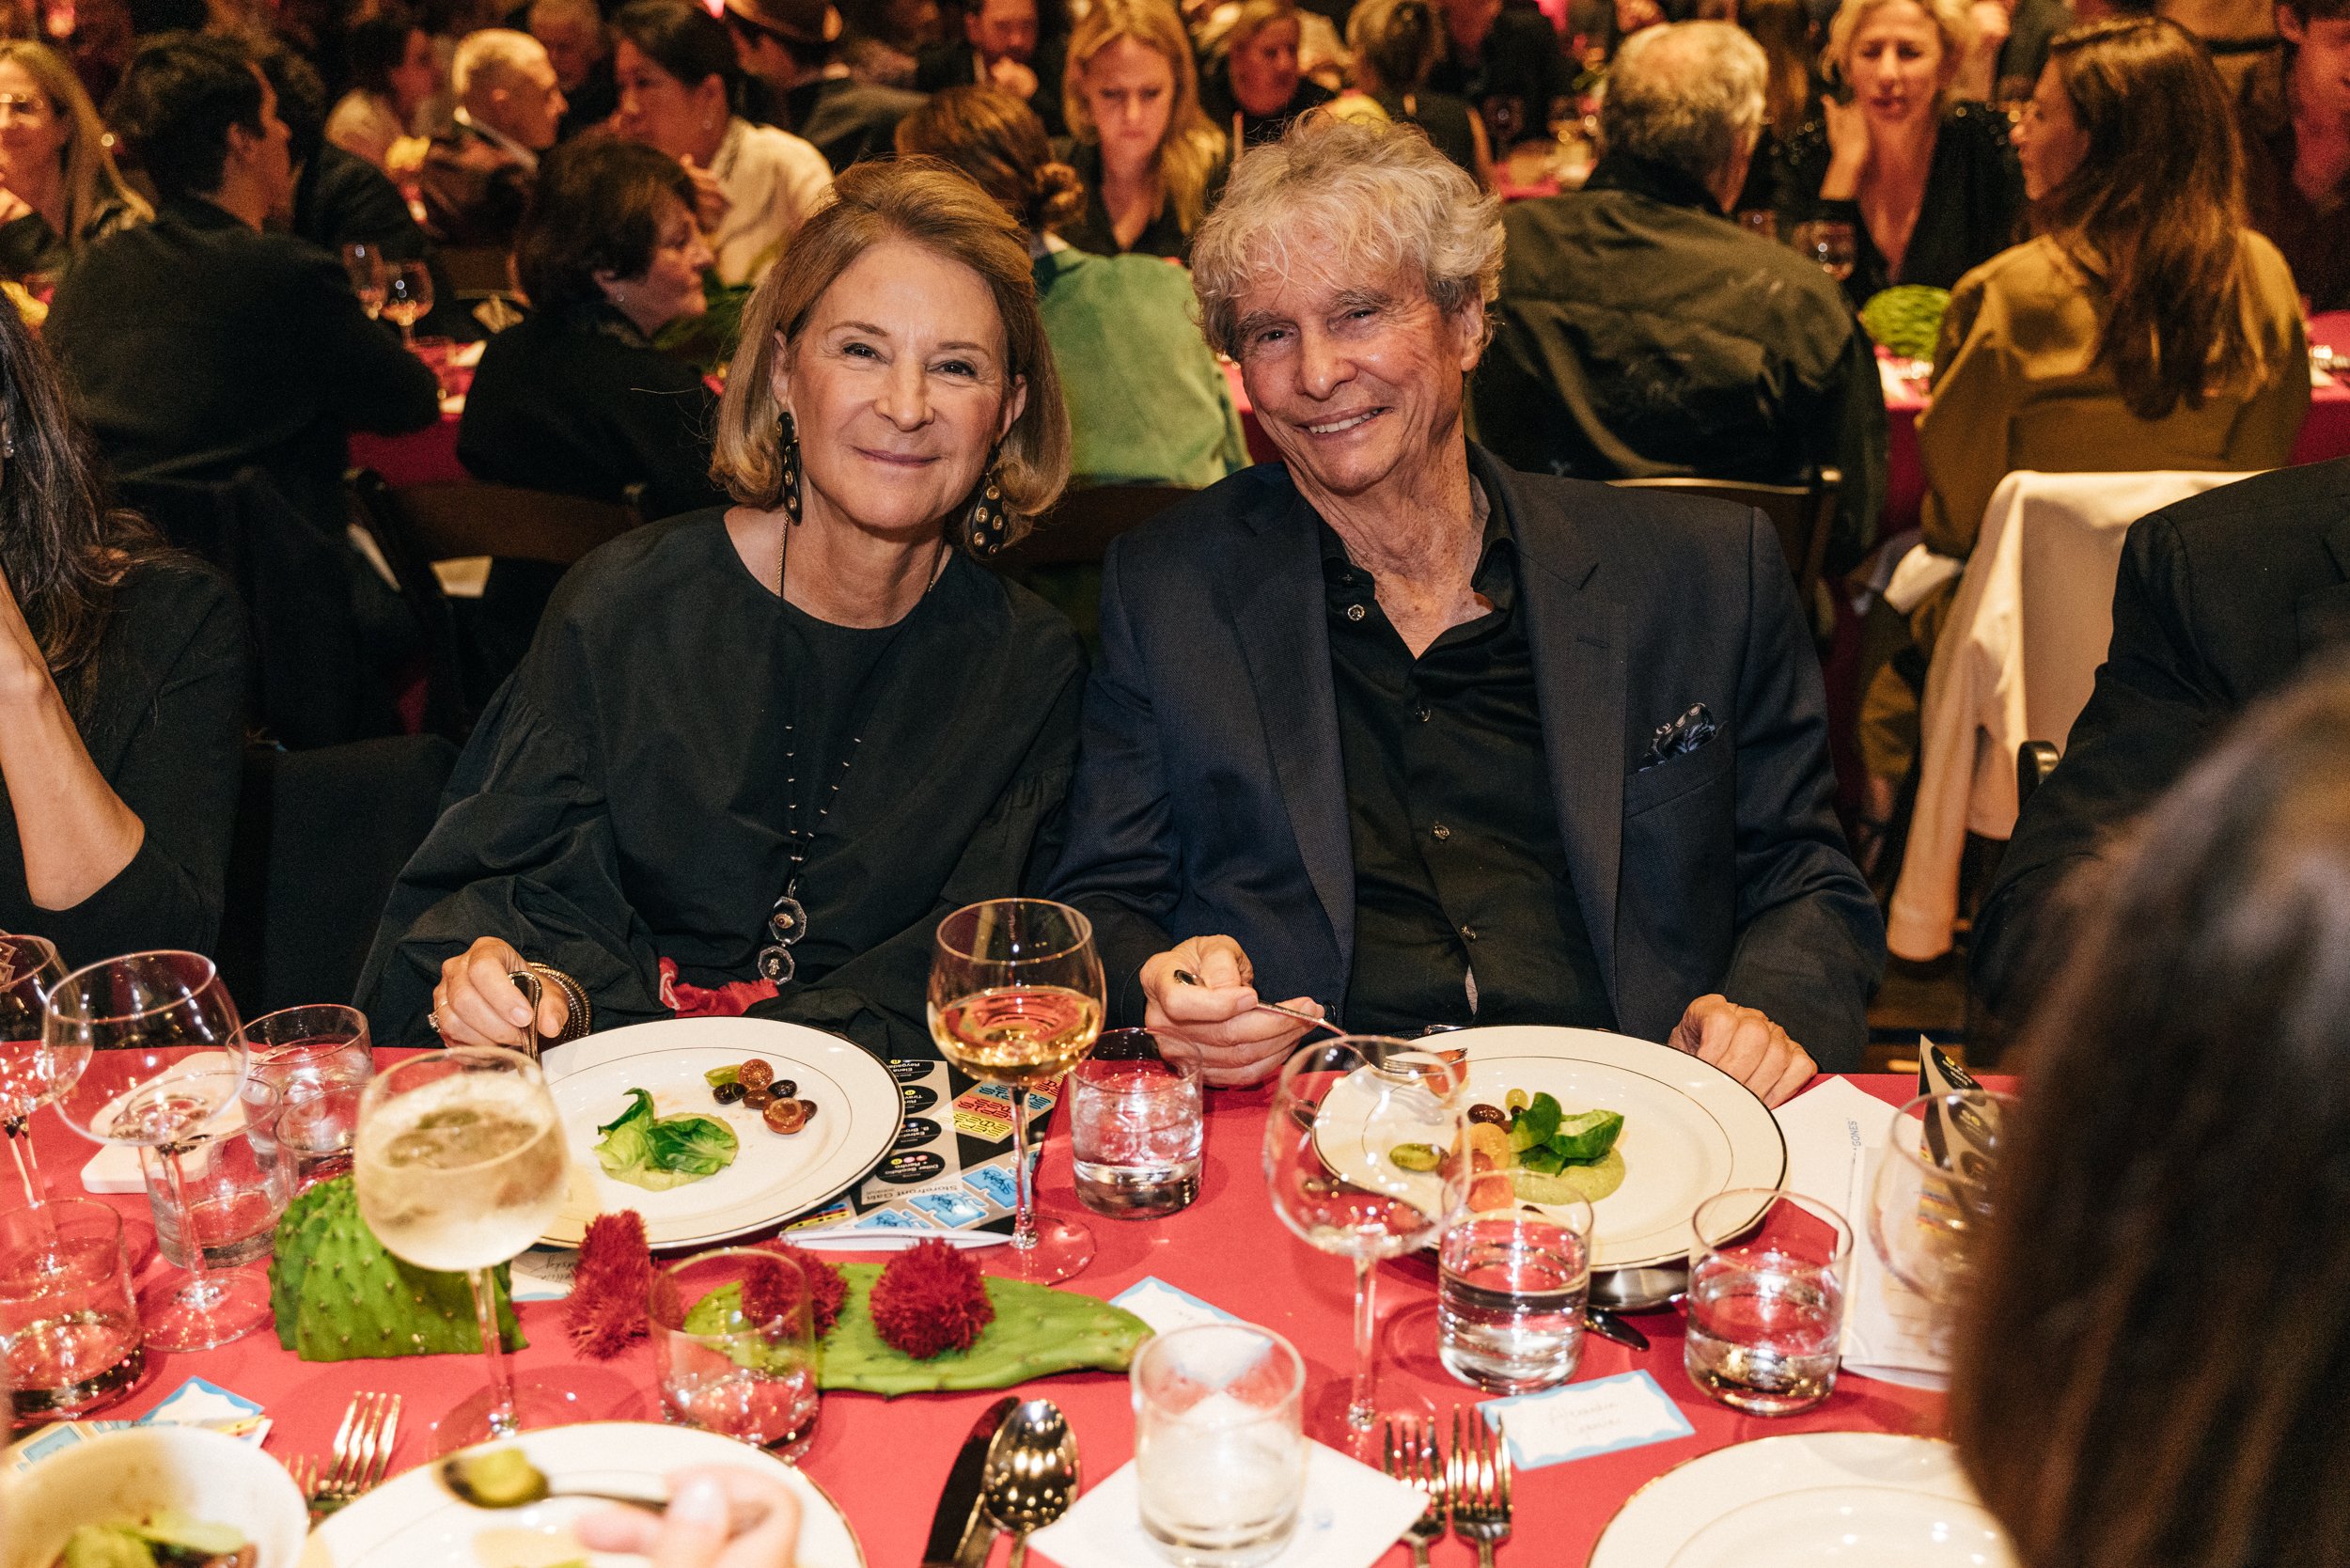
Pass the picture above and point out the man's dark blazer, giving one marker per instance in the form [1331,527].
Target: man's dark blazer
[2221,598]
[1210,797]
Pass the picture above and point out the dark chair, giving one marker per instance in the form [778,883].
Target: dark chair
[1802,514]
[321,837]
[2035,762]
[1061,560]
[477,272]
[415,525]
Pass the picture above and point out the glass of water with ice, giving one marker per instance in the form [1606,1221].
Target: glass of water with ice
[1510,1296]
[1137,1122]
[1219,1444]
[1767,1272]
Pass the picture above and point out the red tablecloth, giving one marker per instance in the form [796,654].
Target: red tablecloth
[884,1460]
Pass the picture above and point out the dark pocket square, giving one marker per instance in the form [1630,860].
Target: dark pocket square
[1680,737]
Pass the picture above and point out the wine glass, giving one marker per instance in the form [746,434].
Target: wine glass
[364,260]
[1366,1154]
[1831,244]
[408,298]
[1016,999]
[145,1046]
[1933,1191]
[30,1072]
[460,1163]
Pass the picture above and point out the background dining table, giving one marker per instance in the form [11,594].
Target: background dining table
[884,1460]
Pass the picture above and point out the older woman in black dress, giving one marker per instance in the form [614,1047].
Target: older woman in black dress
[756,753]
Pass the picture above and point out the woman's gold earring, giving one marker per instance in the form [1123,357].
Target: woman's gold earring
[790,483]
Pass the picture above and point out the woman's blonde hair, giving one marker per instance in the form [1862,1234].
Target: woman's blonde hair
[1192,148]
[97,198]
[1949,17]
[924,202]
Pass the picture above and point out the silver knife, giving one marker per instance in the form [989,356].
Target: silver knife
[961,1531]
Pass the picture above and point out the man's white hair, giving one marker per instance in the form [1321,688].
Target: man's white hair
[491,58]
[1688,96]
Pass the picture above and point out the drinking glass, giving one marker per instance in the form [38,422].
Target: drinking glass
[148,1045]
[1509,1296]
[1136,1122]
[408,298]
[235,1177]
[1831,244]
[1016,999]
[30,1074]
[1767,1271]
[68,1327]
[1932,1197]
[459,1165]
[320,1057]
[1342,1109]
[364,260]
[1219,1443]
[747,1366]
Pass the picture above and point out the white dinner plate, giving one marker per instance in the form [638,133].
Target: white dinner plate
[1690,1130]
[773,1178]
[1853,1498]
[411,1521]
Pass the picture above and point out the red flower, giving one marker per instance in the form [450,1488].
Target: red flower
[930,1299]
[826,1289]
[611,1286]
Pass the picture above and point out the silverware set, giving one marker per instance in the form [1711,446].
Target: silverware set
[361,1456]
[1469,1486]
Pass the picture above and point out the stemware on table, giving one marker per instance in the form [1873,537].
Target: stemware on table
[1016,999]
[459,1165]
[29,1070]
[407,297]
[1386,1093]
[1933,1192]
[363,260]
[145,1046]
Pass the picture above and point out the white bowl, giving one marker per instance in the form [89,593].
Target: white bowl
[124,1475]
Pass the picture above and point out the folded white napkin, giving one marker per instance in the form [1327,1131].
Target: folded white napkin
[116,1167]
[1351,1515]
[1836,1134]
[1920,574]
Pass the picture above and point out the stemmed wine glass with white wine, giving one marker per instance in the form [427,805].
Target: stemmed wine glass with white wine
[30,1072]
[363,260]
[407,298]
[144,1051]
[459,1165]
[1016,999]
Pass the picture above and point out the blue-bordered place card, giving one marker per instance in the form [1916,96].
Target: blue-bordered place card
[1627,1411]
[1166,1309]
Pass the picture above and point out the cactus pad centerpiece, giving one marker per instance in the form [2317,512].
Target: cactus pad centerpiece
[338,1296]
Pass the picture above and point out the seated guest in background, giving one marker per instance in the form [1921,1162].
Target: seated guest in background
[58,186]
[1151,162]
[392,74]
[1641,332]
[1412,738]
[880,40]
[339,197]
[199,344]
[1791,89]
[1003,46]
[1504,60]
[2146,327]
[1928,183]
[756,753]
[756,184]
[2172,1394]
[1147,404]
[1255,88]
[576,398]
[1395,44]
[580,49]
[2295,117]
[2012,38]
[2220,601]
[477,178]
[121,686]
[788,45]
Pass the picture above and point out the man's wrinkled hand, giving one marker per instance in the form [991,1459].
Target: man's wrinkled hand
[1746,1045]
[1238,1044]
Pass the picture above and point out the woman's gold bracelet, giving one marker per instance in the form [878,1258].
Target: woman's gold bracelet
[581,1016]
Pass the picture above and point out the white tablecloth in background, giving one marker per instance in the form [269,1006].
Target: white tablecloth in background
[2015,663]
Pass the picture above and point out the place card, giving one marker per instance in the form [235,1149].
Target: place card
[1627,1411]
[1166,1309]
[195,1402]
[1351,1514]
[545,1273]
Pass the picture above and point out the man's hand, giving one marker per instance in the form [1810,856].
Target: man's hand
[1010,75]
[710,203]
[1745,1044]
[1238,1044]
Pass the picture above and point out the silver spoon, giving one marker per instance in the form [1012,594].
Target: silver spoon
[1031,1473]
[506,1477]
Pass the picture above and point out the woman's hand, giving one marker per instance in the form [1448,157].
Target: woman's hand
[476,1004]
[1848,148]
[706,1506]
[711,204]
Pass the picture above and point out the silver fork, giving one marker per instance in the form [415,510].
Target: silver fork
[1478,1482]
[1414,1461]
[363,1449]
[304,1472]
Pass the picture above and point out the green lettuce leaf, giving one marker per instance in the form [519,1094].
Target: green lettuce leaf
[661,1153]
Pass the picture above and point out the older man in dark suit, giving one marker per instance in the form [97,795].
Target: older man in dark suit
[1411,738]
